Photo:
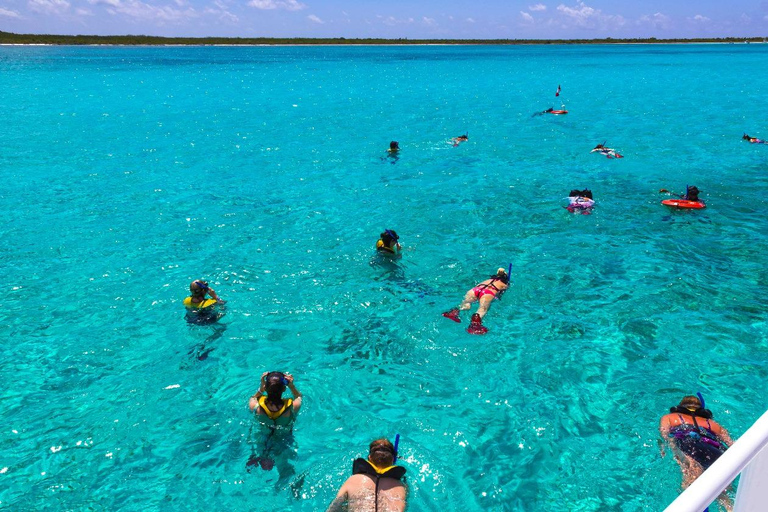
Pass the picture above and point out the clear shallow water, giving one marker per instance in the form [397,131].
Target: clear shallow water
[131,171]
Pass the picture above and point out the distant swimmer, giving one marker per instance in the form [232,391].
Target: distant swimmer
[274,412]
[608,152]
[691,193]
[580,201]
[753,140]
[393,153]
[484,293]
[697,440]
[388,243]
[376,483]
[689,200]
[201,310]
[458,140]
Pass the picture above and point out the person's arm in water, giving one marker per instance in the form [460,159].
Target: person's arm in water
[213,295]
[664,427]
[296,393]
[720,432]
[380,245]
[253,403]
[341,497]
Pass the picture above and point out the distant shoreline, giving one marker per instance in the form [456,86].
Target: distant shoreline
[11,39]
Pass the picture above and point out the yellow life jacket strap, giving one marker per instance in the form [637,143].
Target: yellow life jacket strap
[198,305]
[274,415]
[378,469]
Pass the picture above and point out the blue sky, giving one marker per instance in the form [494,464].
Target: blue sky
[392,19]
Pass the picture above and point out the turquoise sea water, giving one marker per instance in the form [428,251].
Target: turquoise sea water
[131,171]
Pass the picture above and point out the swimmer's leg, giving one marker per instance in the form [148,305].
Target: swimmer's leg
[469,298]
[485,303]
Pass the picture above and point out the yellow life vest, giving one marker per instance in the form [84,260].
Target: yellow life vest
[381,247]
[366,467]
[274,415]
[199,305]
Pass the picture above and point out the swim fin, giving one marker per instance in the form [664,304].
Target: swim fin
[477,327]
[453,315]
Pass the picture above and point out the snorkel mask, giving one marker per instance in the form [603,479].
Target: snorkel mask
[271,375]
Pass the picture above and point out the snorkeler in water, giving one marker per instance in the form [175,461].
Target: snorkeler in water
[608,152]
[393,153]
[388,243]
[484,293]
[580,201]
[275,413]
[376,483]
[201,310]
[691,193]
[458,140]
[753,140]
[697,440]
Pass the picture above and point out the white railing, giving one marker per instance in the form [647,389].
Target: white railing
[752,494]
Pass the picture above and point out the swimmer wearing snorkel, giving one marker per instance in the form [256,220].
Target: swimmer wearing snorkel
[608,152]
[580,201]
[275,413]
[388,243]
[484,293]
[458,140]
[393,153]
[200,310]
[376,483]
[697,440]
[691,193]
[753,140]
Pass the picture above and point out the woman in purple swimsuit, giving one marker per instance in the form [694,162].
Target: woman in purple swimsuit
[696,440]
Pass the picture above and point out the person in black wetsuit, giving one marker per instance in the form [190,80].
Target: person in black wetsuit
[696,440]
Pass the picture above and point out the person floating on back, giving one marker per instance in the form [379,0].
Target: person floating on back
[580,201]
[697,440]
[376,483]
[484,293]
[201,310]
[753,140]
[608,152]
[388,243]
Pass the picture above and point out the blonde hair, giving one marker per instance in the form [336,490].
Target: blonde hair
[690,402]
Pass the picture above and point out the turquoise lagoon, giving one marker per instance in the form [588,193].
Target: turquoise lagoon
[131,171]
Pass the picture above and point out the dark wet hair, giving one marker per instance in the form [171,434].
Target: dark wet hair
[381,453]
[274,383]
[394,145]
[580,193]
[389,236]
